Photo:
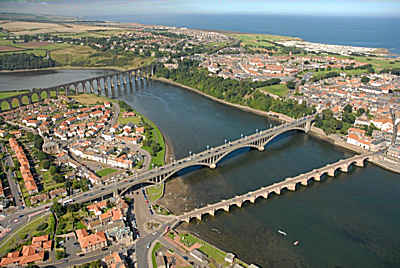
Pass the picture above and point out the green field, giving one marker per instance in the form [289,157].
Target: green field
[377,62]
[155,192]
[159,159]
[280,90]
[26,232]
[105,172]
[208,249]
[71,221]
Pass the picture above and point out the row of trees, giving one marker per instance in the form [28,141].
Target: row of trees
[17,61]
[240,92]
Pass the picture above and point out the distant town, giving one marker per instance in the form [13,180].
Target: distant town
[55,148]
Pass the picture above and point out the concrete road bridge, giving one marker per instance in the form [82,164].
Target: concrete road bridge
[208,158]
[276,188]
[102,85]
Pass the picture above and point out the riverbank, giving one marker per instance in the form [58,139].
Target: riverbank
[113,69]
[272,115]
[316,132]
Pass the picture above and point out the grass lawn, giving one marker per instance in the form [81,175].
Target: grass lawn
[354,72]
[159,159]
[48,182]
[70,221]
[89,99]
[125,120]
[105,172]
[279,90]
[155,192]
[254,39]
[208,249]
[27,231]
[153,254]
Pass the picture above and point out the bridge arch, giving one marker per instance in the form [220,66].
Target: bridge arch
[15,102]
[35,97]
[182,168]
[5,105]
[44,94]
[254,146]
[25,99]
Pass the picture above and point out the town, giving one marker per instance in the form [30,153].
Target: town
[60,146]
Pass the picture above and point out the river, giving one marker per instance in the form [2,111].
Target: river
[347,221]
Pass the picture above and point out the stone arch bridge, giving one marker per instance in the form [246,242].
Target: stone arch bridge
[276,188]
[102,85]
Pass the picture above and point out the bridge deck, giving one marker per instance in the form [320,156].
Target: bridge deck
[288,183]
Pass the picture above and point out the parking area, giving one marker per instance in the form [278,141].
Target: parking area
[71,246]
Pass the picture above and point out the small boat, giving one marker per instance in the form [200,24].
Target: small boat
[295,243]
[282,232]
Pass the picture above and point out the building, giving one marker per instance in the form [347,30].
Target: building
[200,256]
[91,242]
[29,254]
[114,260]
[230,258]
[394,152]
[357,137]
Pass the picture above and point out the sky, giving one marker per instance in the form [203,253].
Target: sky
[99,8]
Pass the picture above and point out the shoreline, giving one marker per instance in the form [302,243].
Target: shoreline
[315,132]
[62,68]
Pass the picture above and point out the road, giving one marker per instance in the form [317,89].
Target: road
[14,187]
[193,159]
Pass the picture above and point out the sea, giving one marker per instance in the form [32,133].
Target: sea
[379,32]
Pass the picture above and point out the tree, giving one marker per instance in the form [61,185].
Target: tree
[38,142]
[45,164]
[53,170]
[291,84]
[365,80]
[58,178]
[42,156]
[360,111]
[348,108]
[58,209]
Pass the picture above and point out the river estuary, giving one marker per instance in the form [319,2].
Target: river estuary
[351,220]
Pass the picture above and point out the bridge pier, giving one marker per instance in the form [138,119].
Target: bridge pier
[226,208]
[213,166]
[344,168]
[331,172]
[261,148]
[198,217]
[304,182]
[317,177]
[292,187]
[360,163]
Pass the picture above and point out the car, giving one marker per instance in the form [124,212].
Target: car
[16,220]
[20,216]
[148,245]
[185,258]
